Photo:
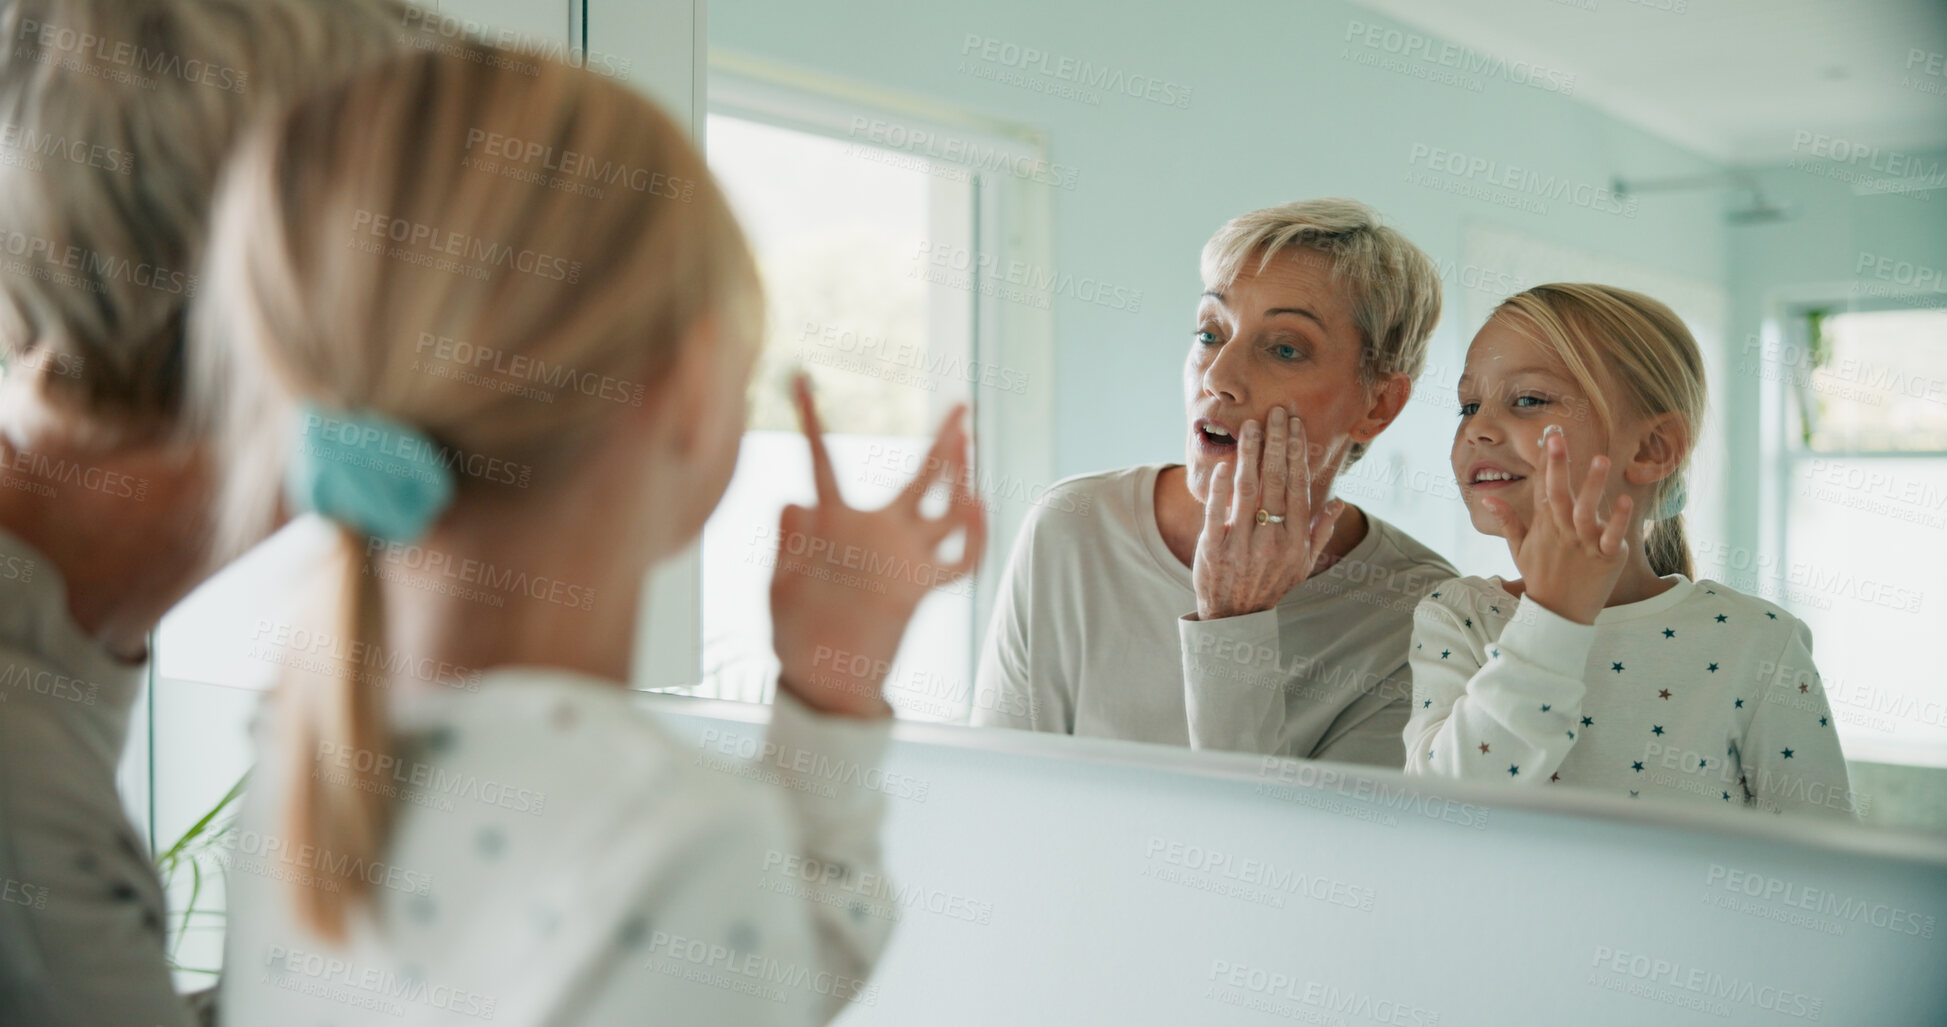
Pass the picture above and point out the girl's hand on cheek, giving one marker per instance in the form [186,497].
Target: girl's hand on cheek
[1571,556]
[847,581]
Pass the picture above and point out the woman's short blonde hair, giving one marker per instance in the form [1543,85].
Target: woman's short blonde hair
[1395,286]
[115,118]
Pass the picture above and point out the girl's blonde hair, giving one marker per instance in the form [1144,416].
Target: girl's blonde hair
[1648,353]
[500,256]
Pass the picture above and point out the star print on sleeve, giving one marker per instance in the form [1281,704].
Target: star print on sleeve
[1787,753]
[1721,618]
[1663,693]
[1656,729]
[1669,633]
[1514,770]
[1617,667]
[1588,721]
[1713,668]
[1483,748]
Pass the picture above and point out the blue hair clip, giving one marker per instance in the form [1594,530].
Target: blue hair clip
[1673,501]
[367,472]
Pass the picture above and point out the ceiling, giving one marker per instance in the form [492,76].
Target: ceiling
[1734,80]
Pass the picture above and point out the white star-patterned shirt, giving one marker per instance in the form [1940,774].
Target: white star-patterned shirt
[1700,693]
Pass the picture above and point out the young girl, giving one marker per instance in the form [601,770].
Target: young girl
[1605,665]
[496,323]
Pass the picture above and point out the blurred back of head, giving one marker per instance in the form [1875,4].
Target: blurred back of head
[115,119]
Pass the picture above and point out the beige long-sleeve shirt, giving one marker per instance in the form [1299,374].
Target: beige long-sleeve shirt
[81,911]
[1094,634]
[559,857]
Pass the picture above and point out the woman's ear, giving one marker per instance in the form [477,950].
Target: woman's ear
[1389,396]
[1661,445]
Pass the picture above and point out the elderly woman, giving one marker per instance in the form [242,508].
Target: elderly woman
[1291,610]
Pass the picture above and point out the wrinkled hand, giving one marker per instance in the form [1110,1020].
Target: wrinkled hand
[847,581]
[1242,566]
[1571,557]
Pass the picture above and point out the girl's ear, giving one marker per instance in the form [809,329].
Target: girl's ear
[1661,446]
[1389,397]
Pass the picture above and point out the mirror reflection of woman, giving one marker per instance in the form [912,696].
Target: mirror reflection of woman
[1228,602]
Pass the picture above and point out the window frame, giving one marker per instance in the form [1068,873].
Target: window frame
[1012,222]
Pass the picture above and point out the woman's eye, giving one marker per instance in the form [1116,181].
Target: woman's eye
[1206,337]
[1530,401]
[1469,409]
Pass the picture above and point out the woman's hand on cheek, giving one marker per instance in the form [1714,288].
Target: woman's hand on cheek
[1571,557]
[847,581]
[1243,566]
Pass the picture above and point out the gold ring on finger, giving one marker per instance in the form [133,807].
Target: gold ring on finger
[1267,517]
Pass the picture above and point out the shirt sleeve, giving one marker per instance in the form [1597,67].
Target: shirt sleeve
[1790,751]
[1376,738]
[1006,690]
[838,816]
[1501,710]
[1233,684]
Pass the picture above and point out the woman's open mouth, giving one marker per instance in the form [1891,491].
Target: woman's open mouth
[1214,439]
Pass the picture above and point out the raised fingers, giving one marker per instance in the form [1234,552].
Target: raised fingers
[1216,508]
[1588,500]
[1616,533]
[1249,450]
[814,433]
[944,461]
[1276,471]
[1555,487]
[1298,488]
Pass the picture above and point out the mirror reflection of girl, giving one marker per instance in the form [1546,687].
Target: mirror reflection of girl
[1605,665]
[531,846]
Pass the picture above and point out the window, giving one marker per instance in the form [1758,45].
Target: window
[1864,520]
[880,234]
[839,241]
